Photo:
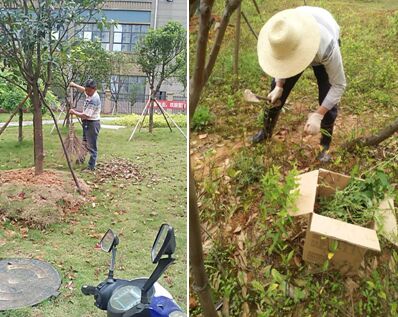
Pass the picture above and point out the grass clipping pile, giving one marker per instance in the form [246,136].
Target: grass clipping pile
[38,201]
[358,201]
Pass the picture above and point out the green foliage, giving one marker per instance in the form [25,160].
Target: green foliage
[79,61]
[136,90]
[375,298]
[31,28]
[278,200]
[11,95]
[392,31]
[278,197]
[248,167]
[359,200]
[10,98]
[161,54]
[158,120]
[202,118]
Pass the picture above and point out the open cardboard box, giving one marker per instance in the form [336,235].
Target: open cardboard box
[352,240]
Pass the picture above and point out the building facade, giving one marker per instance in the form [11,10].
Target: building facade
[134,19]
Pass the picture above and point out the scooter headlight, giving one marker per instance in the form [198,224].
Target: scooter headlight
[177,314]
[125,298]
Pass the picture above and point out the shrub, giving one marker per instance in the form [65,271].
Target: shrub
[202,118]
[248,167]
[158,120]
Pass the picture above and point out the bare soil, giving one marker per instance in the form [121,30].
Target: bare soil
[38,201]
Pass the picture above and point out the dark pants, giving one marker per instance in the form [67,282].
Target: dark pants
[327,124]
[91,130]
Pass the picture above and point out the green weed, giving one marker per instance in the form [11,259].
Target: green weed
[202,118]
[358,202]
[248,167]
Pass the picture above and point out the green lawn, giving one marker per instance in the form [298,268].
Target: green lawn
[70,246]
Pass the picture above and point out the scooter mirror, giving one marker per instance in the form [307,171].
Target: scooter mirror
[164,243]
[108,241]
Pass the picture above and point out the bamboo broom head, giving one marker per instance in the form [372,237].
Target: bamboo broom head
[74,146]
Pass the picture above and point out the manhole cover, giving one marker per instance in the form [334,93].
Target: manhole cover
[26,282]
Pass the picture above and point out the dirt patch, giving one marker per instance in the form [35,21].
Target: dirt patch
[216,150]
[118,169]
[38,201]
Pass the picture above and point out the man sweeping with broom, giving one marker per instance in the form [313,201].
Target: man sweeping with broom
[90,119]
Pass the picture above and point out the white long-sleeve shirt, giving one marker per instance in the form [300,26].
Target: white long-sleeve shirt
[329,54]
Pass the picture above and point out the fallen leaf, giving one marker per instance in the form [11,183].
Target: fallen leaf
[238,229]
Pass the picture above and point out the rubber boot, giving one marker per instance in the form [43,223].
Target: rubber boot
[270,119]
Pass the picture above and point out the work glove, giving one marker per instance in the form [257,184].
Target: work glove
[275,94]
[313,125]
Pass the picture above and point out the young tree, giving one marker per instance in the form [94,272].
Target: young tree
[202,69]
[13,100]
[136,94]
[117,81]
[78,61]
[16,101]
[28,41]
[160,55]
[181,74]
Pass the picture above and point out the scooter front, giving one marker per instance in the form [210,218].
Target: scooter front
[142,296]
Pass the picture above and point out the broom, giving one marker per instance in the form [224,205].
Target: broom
[75,147]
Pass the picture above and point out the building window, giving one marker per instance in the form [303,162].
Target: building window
[91,32]
[161,95]
[125,36]
[119,38]
[124,86]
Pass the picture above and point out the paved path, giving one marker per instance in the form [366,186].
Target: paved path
[105,126]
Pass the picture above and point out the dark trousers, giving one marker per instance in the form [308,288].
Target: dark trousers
[327,124]
[91,130]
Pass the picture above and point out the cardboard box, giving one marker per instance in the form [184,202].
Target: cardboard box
[324,233]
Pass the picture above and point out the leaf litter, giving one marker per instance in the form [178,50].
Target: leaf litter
[118,169]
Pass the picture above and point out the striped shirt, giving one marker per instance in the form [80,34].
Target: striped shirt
[92,107]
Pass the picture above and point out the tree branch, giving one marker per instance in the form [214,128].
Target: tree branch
[198,79]
[14,113]
[14,83]
[373,140]
[231,6]
[61,140]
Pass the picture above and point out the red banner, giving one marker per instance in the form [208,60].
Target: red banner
[173,104]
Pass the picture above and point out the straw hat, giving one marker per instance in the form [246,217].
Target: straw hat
[287,43]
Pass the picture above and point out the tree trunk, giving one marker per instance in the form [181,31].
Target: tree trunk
[63,148]
[151,106]
[198,81]
[373,140]
[200,281]
[20,122]
[37,132]
[236,48]
[201,74]
[193,7]
[13,114]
